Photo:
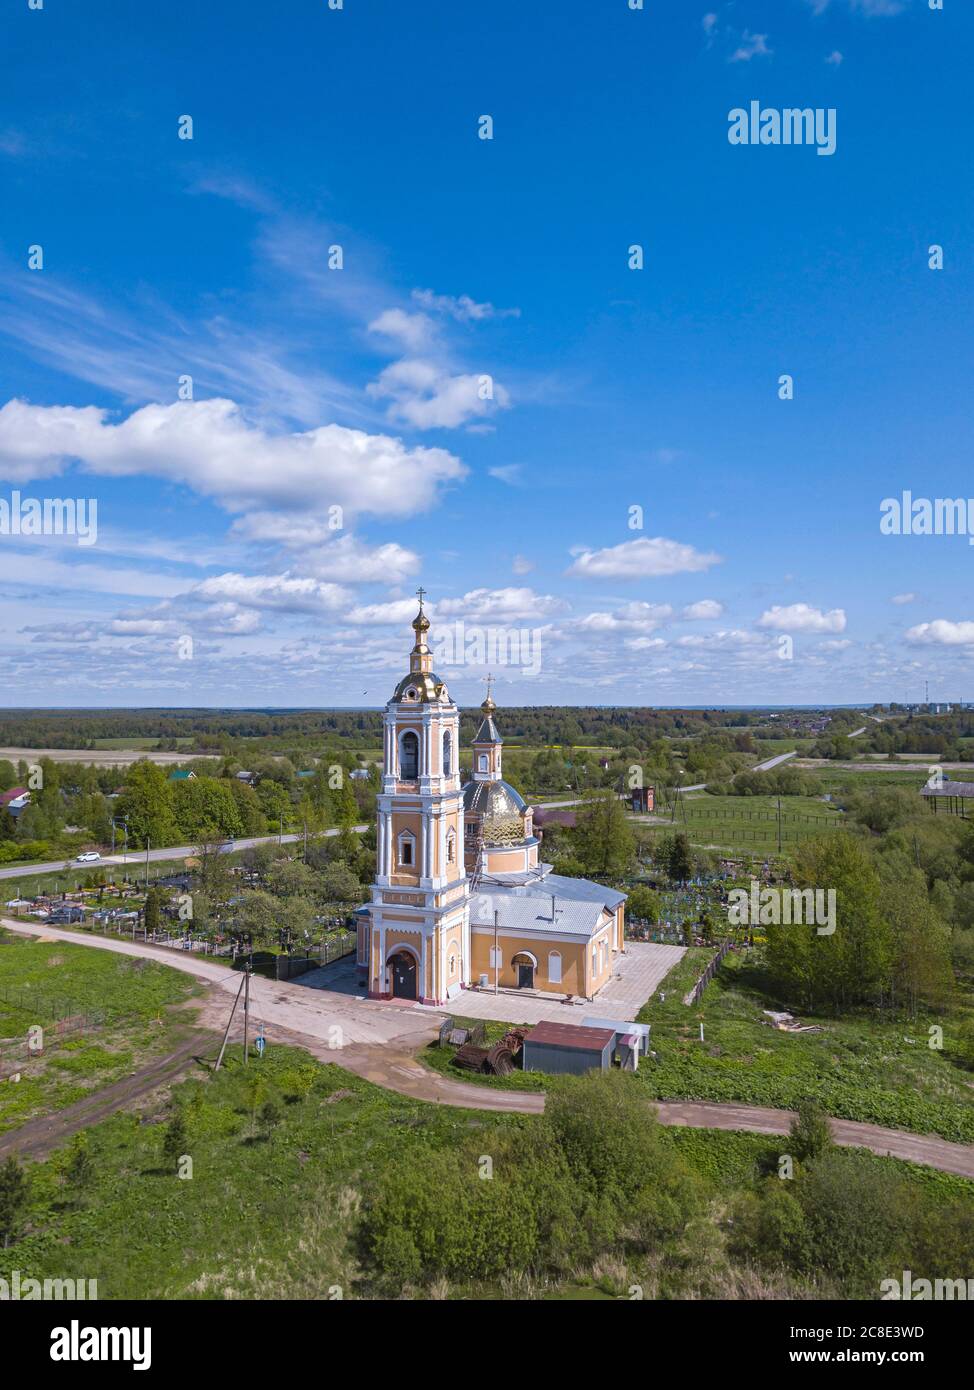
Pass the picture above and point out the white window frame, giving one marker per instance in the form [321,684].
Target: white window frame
[405,837]
[554,967]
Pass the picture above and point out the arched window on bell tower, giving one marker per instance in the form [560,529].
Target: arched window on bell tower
[409,757]
[447,754]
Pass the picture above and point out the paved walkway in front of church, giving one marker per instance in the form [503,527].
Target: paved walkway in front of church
[635,977]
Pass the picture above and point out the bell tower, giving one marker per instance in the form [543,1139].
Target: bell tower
[419,921]
[487,744]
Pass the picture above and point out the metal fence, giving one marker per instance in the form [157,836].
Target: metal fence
[334,948]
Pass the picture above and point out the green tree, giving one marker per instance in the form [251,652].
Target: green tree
[79,1167]
[851,964]
[174,1139]
[810,1133]
[643,903]
[146,800]
[603,838]
[14,1196]
[152,906]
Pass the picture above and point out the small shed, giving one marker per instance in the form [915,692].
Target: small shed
[624,1029]
[560,1048]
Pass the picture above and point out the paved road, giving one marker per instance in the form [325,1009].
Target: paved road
[135,859]
[769,763]
[856,732]
[378,1041]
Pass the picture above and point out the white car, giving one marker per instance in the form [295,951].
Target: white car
[88,857]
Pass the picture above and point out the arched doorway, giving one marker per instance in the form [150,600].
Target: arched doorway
[402,973]
[524,967]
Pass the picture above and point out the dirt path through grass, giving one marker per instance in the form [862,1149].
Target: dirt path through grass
[38,1137]
[389,1060]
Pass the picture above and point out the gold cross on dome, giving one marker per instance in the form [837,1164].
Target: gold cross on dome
[488,681]
[420,594]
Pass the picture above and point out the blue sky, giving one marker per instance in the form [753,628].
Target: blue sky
[464,259]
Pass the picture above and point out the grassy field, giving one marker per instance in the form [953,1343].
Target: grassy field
[880,1072]
[270,1210]
[751,822]
[860,1068]
[42,981]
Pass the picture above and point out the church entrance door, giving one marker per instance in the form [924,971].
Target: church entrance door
[402,967]
[525,972]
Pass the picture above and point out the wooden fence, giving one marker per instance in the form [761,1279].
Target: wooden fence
[693,996]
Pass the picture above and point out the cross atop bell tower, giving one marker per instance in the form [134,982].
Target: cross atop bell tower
[488,742]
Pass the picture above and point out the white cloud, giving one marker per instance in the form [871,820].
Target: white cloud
[637,616]
[870,8]
[499,605]
[522,565]
[210,447]
[835,644]
[400,612]
[751,46]
[943,633]
[506,473]
[702,610]
[709,24]
[414,331]
[834,59]
[903,598]
[283,592]
[327,555]
[642,559]
[427,396]
[732,637]
[801,617]
[463,308]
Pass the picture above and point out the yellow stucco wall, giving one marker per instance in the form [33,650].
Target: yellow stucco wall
[574,977]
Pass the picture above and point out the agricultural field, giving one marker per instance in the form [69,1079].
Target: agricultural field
[133,1014]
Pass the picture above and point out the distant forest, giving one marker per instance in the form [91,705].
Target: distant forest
[217,730]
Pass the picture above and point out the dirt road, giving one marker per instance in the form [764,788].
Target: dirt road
[378,1042]
[38,1137]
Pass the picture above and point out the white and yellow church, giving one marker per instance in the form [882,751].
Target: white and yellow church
[461,899]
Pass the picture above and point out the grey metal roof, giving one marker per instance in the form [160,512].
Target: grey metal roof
[541,882]
[487,733]
[950,789]
[583,888]
[518,913]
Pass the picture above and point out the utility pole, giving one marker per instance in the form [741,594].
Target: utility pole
[496,964]
[280,838]
[148,842]
[779,824]
[247,1012]
[223,1045]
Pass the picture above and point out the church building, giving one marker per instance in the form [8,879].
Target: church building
[461,898]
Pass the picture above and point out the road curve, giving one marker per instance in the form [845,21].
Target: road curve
[378,1042]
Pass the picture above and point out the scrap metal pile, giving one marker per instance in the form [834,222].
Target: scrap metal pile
[496,1060]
